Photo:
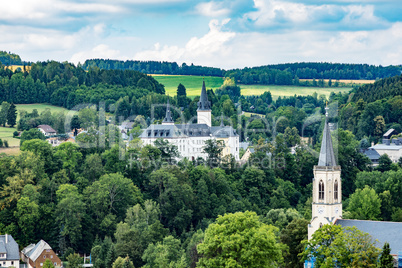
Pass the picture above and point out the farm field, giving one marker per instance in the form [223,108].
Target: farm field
[193,85]
[38,106]
[346,81]
[276,91]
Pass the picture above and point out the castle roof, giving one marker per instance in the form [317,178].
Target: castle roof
[10,247]
[327,156]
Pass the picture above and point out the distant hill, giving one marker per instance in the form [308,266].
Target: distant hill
[277,74]
[10,58]
[383,88]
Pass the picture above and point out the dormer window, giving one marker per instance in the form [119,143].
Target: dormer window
[149,133]
[3,255]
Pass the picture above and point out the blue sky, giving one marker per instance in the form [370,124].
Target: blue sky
[220,33]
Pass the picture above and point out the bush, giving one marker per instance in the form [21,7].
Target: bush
[15,134]
[5,142]
[1,143]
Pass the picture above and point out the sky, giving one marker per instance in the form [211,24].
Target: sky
[222,33]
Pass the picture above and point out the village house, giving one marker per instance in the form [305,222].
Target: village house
[47,130]
[36,255]
[9,252]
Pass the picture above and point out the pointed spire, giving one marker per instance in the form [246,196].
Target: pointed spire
[204,104]
[327,156]
[168,117]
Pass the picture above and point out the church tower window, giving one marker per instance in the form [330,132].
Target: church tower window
[336,190]
[321,190]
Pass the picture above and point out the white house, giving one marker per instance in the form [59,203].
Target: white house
[9,251]
[47,130]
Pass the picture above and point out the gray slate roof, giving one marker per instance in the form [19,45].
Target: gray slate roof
[161,131]
[372,154]
[386,147]
[383,231]
[327,156]
[387,134]
[34,252]
[11,247]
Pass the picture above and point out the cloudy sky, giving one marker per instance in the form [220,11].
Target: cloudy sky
[220,33]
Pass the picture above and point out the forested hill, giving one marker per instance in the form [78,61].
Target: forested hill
[153,67]
[63,84]
[384,88]
[10,58]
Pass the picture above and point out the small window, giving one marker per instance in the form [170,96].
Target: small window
[55,264]
[321,190]
[336,190]
[12,262]
[320,224]
[51,256]
[44,256]
[41,264]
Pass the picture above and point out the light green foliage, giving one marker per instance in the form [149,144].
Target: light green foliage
[48,264]
[123,263]
[31,134]
[239,240]
[334,246]
[70,155]
[167,253]
[74,260]
[292,136]
[281,217]
[27,214]
[88,117]
[213,148]
[364,205]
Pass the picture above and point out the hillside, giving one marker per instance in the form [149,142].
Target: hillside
[384,88]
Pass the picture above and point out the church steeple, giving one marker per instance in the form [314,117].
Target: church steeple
[204,108]
[327,156]
[204,104]
[168,118]
[327,185]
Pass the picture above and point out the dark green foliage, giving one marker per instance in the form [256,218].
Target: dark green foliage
[384,163]
[12,115]
[31,134]
[292,236]
[9,58]
[386,260]
[383,88]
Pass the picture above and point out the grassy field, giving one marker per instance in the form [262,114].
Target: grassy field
[346,81]
[6,133]
[276,91]
[192,83]
[40,107]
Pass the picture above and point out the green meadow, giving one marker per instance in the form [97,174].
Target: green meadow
[40,107]
[193,85]
[6,133]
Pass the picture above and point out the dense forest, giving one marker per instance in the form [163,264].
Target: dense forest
[381,89]
[278,74]
[139,206]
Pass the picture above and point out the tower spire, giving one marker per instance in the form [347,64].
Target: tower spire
[168,118]
[327,156]
[204,104]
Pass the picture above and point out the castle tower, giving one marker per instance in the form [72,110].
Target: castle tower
[168,120]
[327,185]
[204,108]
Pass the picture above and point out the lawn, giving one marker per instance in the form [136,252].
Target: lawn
[40,107]
[276,91]
[192,83]
[6,133]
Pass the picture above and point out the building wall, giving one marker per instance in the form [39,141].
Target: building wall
[47,254]
[325,211]
[394,155]
[8,263]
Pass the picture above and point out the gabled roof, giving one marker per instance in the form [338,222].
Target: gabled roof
[383,231]
[327,156]
[47,128]
[372,154]
[388,133]
[34,252]
[11,247]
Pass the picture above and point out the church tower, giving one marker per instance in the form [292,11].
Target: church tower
[204,108]
[168,120]
[327,185]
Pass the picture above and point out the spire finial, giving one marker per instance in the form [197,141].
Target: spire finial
[222,124]
[168,118]
[326,110]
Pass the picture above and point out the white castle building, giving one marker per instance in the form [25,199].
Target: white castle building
[190,138]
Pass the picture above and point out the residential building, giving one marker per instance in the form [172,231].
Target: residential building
[35,255]
[47,130]
[9,252]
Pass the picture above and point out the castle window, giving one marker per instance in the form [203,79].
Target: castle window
[321,190]
[336,190]
[320,224]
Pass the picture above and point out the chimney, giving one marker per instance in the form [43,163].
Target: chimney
[372,143]
[6,238]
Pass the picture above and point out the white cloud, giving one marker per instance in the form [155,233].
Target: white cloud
[202,50]
[212,9]
[101,51]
